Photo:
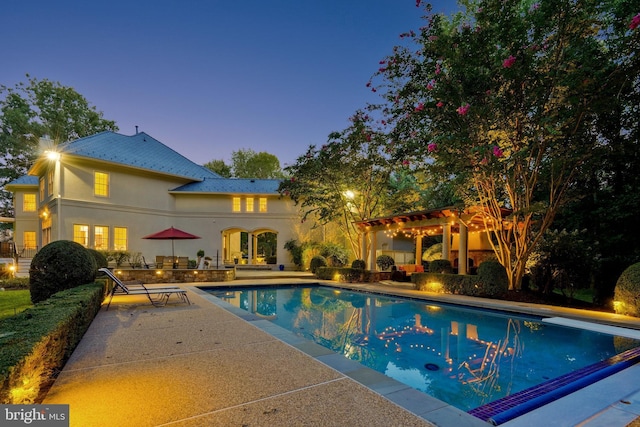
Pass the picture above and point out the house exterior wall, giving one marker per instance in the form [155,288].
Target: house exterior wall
[25,221]
[144,202]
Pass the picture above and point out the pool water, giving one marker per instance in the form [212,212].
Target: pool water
[462,356]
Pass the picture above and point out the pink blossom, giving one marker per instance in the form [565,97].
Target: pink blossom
[438,70]
[440,104]
[432,147]
[534,6]
[368,137]
[405,162]
[420,107]
[508,63]
[418,3]
[431,85]
[497,151]
[463,110]
[635,22]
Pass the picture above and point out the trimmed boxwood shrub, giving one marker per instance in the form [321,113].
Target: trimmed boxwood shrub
[440,266]
[38,341]
[345,274]
[60,265]
[493,277]
[627,292]
[384,262]
[101,260]
[317,262]
[457,284]
[359,264]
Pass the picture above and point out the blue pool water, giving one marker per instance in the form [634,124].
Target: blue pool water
[465,357]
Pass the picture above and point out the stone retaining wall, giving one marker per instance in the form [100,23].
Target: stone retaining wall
[175,276]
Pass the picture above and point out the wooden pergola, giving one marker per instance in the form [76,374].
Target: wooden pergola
[445,221]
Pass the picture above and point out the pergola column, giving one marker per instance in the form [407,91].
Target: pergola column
[418,260]
[446,241]
[372,251]
[463,249]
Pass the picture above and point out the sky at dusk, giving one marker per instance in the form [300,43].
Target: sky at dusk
[208,77]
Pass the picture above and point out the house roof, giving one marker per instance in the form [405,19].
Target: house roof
[24,180]
[231,185]
[144,152]
[140,151]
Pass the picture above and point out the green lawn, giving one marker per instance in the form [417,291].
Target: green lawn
[12,302]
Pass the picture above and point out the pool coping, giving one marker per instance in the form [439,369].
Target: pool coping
[419,403]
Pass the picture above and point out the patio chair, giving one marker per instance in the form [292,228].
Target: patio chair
[160,296]
[183,262]
[168,263]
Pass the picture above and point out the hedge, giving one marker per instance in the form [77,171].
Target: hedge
[346,274]
[35,344]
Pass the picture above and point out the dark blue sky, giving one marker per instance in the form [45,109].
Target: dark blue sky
[208,77]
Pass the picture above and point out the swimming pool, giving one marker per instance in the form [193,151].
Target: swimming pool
[465,357]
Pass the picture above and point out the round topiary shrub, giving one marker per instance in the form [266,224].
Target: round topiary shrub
[627,292]
[317,262]
[358,264]
[60,265]
[384,262]
[442,266]
[101,260]
[493,277]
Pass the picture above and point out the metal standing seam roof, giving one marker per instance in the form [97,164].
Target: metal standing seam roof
[232,185]
[25,180]
[145,152]
[139,151]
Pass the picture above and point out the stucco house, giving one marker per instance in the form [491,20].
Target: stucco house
[107,191]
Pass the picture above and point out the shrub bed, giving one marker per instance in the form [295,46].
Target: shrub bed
[35,344]
[15,283]
[346,274]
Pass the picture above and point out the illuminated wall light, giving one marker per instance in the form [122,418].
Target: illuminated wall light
[158,272]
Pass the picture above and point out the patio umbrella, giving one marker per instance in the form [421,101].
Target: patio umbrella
[172,234]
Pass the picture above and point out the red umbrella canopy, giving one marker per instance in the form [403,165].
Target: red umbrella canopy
[171,234]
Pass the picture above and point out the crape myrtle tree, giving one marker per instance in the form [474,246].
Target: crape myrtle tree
[504,100]
[30,111]
[348,179]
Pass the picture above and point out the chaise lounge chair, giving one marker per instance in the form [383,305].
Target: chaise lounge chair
[162,293]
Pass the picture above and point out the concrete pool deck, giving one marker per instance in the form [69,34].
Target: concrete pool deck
[206,364]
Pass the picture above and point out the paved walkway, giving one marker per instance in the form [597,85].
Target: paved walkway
[206,364]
